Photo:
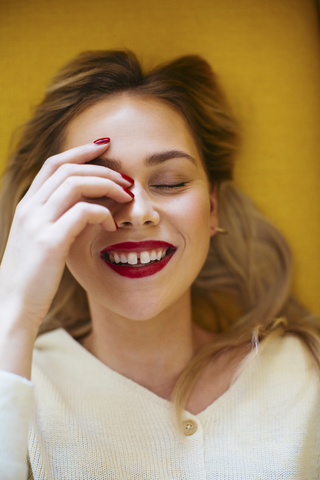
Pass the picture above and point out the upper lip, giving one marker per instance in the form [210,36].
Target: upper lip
[137,246]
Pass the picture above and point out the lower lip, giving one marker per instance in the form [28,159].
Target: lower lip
[139,272]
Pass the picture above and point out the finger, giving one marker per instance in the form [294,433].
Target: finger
[70,225]
[74,189]
[71,170]
[80,155]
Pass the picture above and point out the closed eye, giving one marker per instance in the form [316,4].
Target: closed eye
[169,187]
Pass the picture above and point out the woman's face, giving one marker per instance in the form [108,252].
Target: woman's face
[173,209]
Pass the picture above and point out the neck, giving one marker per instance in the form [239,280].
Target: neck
[151,352]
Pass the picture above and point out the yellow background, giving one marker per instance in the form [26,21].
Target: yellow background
[266,53]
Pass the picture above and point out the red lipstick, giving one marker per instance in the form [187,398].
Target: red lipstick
[139,270]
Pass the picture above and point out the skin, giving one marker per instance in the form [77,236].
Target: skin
[142,328]
[46,223]
[180,216]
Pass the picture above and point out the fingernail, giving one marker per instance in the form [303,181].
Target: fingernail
[128,191]
[126,177]
[102,141]
[116,224]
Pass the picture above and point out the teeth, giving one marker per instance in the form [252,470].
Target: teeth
[144,257]
[123,258]
[132,258]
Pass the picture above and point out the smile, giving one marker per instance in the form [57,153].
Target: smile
[138,259]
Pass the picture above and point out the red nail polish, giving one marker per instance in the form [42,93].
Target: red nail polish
[126,177]
[128,191]
[102,141]
[116,224]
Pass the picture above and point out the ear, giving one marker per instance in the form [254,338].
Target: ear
[213,210]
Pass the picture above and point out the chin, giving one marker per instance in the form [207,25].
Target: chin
[140,305]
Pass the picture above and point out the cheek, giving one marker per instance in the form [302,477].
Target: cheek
[193,223]
[192,213]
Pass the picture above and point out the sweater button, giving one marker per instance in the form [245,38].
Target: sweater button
[190,427]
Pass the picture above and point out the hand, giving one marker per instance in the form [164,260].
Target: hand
[47,221]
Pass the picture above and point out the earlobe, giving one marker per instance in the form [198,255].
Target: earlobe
[213,226]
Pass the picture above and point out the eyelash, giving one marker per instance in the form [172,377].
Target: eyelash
[169,187]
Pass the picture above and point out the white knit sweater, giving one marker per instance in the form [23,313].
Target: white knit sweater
[88,422]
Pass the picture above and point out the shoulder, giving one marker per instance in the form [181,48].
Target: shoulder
[287,353]
[283,368]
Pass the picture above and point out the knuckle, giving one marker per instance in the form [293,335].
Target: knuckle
[22,212]
[20,209]
[80,209]
[51,164]
[88,208]
[66,169]
[71,182]
[53,160]
[82,206]
[85,207]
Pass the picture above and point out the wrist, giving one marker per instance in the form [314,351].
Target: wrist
[15,316]
[17,337]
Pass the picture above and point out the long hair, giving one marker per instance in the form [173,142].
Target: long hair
[250,268]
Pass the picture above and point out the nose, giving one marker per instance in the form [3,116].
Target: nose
[141,211]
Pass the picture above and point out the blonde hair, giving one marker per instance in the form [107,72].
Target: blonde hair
[251,267]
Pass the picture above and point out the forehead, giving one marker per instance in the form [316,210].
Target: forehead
[132,122]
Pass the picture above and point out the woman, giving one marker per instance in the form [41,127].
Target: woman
[123,177]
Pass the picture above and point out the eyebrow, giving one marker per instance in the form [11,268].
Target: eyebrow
[150,160]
